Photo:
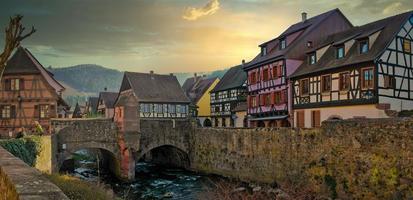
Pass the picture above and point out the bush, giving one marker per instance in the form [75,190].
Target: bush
[26,148]
[77,189]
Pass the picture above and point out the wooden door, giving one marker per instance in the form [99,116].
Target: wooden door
[315,119]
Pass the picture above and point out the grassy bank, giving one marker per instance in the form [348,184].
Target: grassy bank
[77,189]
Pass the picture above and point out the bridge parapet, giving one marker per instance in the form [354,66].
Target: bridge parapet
[59,124]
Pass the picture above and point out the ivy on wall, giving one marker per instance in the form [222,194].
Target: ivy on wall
[26,148]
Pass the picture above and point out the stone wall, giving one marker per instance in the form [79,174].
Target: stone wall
[20,181]
[355,159]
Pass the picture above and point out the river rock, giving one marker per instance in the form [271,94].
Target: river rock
[240,189]
[256,189]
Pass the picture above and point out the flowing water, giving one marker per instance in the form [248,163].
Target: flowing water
[152,182]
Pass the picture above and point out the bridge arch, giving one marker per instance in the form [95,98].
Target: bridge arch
[166,154]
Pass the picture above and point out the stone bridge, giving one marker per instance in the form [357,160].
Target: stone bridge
[160,141]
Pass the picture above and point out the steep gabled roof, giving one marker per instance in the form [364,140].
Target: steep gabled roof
[93,103]
[196,87]
[23,62]
[155,87]
[108,98]
[235,77]
[388,28]
[306,27]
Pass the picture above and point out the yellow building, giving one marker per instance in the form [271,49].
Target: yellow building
[197,89]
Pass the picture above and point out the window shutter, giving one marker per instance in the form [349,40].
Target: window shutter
[12,112]
[284,96]
[273,98]
[36,113]
[52,111]
[279,71]
[21,84]
[7,85]
[300,119]
[1,112]
[262,102]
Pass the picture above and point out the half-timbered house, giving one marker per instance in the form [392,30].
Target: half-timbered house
[149,96]
[227,94]
[363,72]
[29,96]
[197,89]
[106,101]
[269,102]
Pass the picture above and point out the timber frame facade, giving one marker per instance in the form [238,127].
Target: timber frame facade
[364,72]
[226,96]
[269,86]
[29,96]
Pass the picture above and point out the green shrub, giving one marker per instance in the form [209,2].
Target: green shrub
[77,189]
[26,148]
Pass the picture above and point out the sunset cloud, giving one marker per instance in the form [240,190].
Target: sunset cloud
[210,8]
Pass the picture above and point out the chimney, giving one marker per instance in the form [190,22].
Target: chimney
[106,89]
[151,72]
[304,16]
[171,74]
[243,62]
[195,75]
[204,75]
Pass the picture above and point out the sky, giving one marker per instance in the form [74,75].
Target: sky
[169,35]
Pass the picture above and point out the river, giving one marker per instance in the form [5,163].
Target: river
[152,182]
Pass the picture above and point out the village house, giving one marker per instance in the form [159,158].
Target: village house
[226,95]
[363,72]
[197,89]
[105,107]
[91,106]
[79,111]
[269,89]
[29,96]
[149,96]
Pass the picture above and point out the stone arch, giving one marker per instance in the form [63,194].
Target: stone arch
[335,117]
[207,123]
[166,154]
[109,159]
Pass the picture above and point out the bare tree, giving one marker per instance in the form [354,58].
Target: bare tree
[14,35]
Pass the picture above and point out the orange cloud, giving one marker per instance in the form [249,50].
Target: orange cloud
[210,8]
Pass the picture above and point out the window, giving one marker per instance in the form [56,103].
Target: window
[367,78]
[212,96]
[265,74]
[312,59]
[277,97]
[364,46]
[344,81]
[315,119]
[254,101]
[6,112]
[283,43]
[407,46]
[326,83]
[44,111]
[340,52]
[304,87]
[268,99]
[13,84]
[389,82]
[263,51]
[277,71]
[233,93]
[253,77]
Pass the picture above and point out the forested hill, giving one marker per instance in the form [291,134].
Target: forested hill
[86,80]
[89,78]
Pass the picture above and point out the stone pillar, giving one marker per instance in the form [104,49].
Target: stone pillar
[127,165]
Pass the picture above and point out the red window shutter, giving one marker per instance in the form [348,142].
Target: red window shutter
[36,113]
[279,71]
[21,84]
[283,96]
[262,99]
[273,98]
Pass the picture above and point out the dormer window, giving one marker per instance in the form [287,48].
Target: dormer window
[263,51]
[283,43]
[312,59]
[340,52]
[364,46]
